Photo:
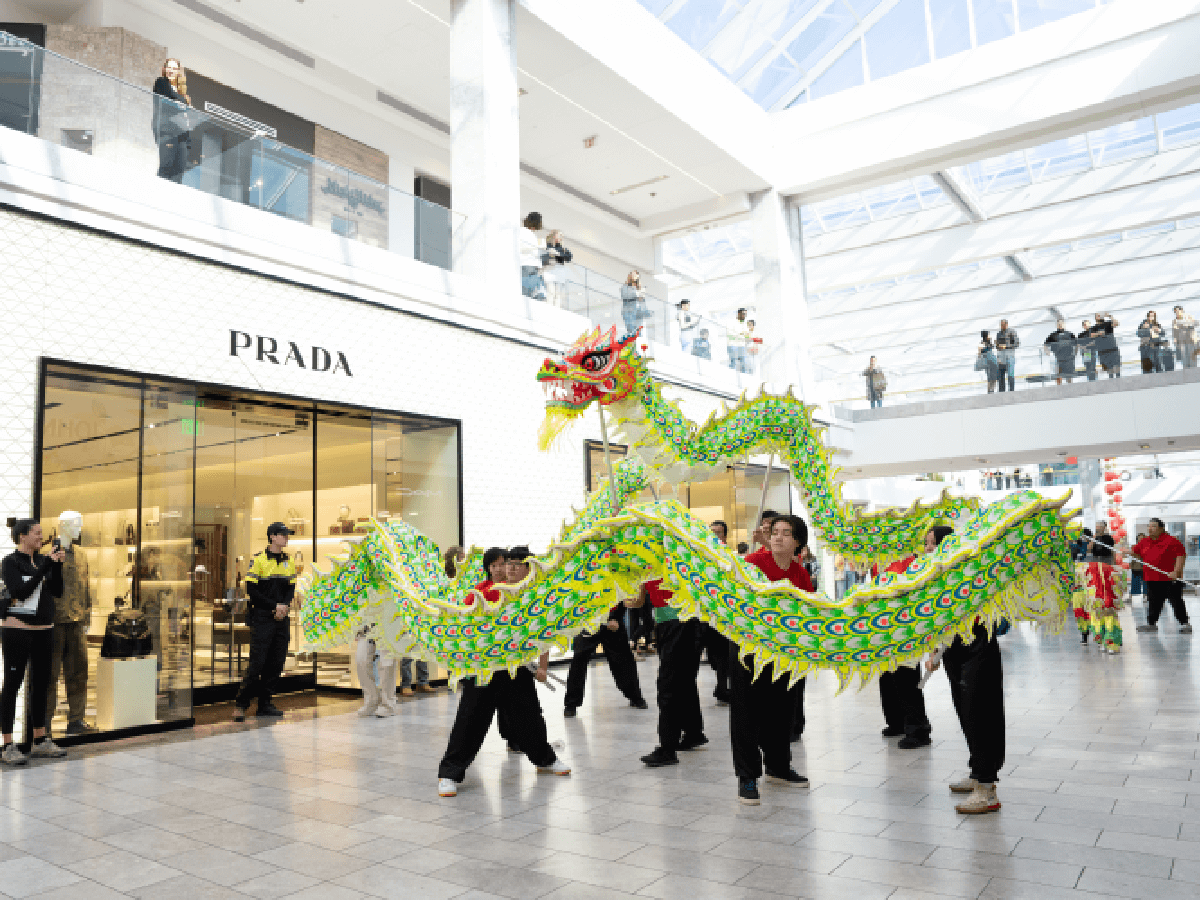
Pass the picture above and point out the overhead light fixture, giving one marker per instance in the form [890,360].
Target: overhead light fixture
[640,184]
[521,92]
[589,142]
[1144,446]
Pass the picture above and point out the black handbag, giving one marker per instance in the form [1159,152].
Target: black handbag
[126,635]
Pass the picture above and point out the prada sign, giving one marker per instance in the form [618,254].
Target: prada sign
[267,349]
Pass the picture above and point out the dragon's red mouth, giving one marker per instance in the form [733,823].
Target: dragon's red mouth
[567,394]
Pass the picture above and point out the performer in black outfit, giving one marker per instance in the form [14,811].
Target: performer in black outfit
[611,636]
[514,699]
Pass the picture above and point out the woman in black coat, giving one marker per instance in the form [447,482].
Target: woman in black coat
[170,122]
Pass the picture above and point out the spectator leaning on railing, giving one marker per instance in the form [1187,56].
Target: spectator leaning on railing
[1151,343]
[1062,344]
[1086,342]
[986,361]
[687,325]
[633,302]
[170,121]
[1183,329]
[1007,343]
[1107,351]
[701,348]
[555,272]
[533,250]
[754,345]
[736,337]
[876,383]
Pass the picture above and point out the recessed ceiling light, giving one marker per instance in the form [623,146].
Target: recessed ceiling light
[1144,446]
[640,184]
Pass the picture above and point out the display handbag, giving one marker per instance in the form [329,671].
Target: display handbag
[126,635]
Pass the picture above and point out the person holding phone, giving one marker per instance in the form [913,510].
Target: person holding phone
[32,582]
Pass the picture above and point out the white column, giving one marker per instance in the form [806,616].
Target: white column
[781,308]
[485,141]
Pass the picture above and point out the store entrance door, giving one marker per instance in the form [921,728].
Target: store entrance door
[254,466]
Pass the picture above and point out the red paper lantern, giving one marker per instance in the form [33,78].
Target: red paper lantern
[1111,476]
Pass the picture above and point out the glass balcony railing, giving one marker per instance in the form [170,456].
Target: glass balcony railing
[598,297]
[68,104]
[1037,367]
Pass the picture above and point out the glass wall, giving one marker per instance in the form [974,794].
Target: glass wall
[732,496]
[176,485]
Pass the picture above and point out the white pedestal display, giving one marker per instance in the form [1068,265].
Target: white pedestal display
[125,692]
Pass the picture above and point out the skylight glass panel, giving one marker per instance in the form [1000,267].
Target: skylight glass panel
[993,20]
[1180,126]
[1059,158]
[1101,241]
[1150,230]
[698,21]
[892,200]
[738,47]
[898,42]
[950,21]
[826,30]
[1033,13]
[1129,140]
[1193,222]
[930,191]
[656,6]
[1000,173]
[810,222]
[862,7]
[847,72]
[842,212]
[773,82]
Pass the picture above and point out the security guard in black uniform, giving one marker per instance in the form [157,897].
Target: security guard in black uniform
[271,584]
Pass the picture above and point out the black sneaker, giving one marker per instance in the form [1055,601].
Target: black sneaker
[512,748]
[269,711]
[914,743]
[639,703]
[892,732]
[569,712]
[791,776]
[80,727]
[658,757]
[1084,636]
[722,697]
[239,714]
[748,791]
[695,742]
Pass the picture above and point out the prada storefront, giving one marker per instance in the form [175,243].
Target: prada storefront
[176,483]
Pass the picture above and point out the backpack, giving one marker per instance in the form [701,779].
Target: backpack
[878,382]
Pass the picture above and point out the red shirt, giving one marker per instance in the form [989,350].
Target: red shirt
[1161,552]
[489,593]
[758,556]
[901,565]
[657,593]
[797,574]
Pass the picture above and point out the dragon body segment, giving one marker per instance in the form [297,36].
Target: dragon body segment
[1010,560]
[610,372]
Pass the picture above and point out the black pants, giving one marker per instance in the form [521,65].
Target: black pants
[523,726]
[268,653]
[1158,593]
[761,713]
[977,689]
[620,662]
[641,624]
[797,694]
[172,157]
[678,699]
[903,702]
[716,647]
[32,647]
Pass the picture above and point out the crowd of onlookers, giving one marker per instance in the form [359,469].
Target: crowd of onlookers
[543,262]
[741,343]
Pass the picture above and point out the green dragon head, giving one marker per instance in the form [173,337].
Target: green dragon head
[598,368]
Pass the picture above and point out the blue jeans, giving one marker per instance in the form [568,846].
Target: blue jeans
[532,284]
[1008,367]
[406,672]
[877,400]
[737,358]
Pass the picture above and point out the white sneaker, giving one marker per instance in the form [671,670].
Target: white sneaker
[558,767]
[12,756]
[966,786]
[368,710]
[47,749]
[447,788]
[385,710]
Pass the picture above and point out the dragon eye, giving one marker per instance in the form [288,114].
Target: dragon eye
[595,362]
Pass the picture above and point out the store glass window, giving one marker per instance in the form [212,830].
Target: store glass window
[176,485]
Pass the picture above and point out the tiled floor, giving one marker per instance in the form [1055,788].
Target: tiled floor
[1101,796]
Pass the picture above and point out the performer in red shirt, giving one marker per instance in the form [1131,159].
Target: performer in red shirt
[514,699]
[761,712]
[1160,550]
[900,692]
